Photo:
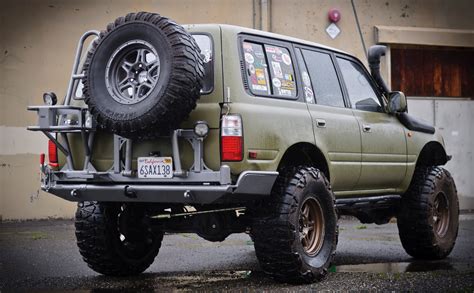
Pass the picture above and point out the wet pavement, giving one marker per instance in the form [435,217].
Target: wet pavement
[42,255]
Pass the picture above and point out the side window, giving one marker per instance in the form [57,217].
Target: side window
[307,87]
[269,70]
[256,68]
[361,93]
[323,78]
[281,71]
[205,44]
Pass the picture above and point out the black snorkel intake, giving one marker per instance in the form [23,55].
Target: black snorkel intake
[373,55]
[397,102]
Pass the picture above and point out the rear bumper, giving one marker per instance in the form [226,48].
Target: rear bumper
[251,185]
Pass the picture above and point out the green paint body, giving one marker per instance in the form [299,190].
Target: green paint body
[360,164]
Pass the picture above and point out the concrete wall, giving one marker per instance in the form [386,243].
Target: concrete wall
[38,39]
[37,47]
[453,118]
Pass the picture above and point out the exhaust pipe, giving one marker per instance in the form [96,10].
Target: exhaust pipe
[374,54]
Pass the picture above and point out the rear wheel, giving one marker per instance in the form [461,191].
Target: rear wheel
[295,233]
[114,239]
[429,215]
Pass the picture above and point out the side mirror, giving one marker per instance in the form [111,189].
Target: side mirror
[397,102]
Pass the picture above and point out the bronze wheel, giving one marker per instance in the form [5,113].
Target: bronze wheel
[311,226]
[295,235]
[441,214]
[428,218]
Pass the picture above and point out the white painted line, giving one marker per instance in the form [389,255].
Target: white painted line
[466,217]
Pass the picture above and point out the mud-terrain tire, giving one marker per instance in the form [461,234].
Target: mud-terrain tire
[114,240]
[143,76]
[286,248]
[428,220]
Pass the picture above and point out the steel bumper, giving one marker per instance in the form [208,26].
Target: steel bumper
[250,185]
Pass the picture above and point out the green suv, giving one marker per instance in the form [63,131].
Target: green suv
[218,129]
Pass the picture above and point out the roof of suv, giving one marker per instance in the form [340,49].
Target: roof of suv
[233,29]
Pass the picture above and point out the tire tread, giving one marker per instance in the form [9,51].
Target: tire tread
[95,243]
[273,245]
[415,230]
[181,93]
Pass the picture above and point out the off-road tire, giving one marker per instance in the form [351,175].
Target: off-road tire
[173,96]
[98,239]
[276,230]
[419,220]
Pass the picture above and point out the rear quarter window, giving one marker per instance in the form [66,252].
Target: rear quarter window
[207,51]
[256,68]
[269,70]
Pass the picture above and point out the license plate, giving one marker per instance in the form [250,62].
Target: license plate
[155,167]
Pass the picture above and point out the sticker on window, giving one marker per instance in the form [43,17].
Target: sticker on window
[306,79]
[286,59]
[249,58]
[256,68]
[281,71]
[261,77]
[276,82]
[247,47]
[277,69]
[308,95]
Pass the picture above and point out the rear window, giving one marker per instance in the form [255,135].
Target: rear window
[205,44]
[269,70]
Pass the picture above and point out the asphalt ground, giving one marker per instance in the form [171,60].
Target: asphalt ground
[42,256]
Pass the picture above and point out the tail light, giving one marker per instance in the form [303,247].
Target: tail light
[53,154]
[231,138]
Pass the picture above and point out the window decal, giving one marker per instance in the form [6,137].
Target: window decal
[308,89]
[281,71]
[269,70]
[277,69]
[256,68]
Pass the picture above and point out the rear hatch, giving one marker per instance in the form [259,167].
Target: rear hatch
[208,109]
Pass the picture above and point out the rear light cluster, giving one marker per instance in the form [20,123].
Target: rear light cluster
[231,138]
[53,154]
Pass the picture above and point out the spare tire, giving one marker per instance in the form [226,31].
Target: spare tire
[143,76]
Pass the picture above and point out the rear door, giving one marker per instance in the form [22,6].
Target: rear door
[384,153]
[335,128]
[274,114]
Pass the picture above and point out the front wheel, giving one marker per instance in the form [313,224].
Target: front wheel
[429,215]
[295,233]
[114,239]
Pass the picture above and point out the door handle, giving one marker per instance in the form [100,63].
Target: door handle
[367,128]
[321,123]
